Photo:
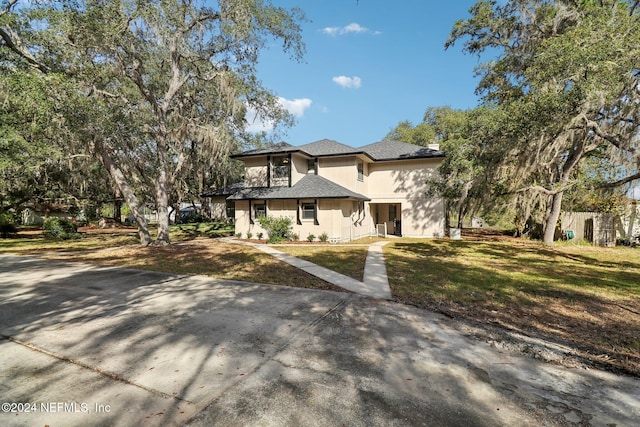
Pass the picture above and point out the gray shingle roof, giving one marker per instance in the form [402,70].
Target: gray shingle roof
[281,147]
[383,150]
[309,187]
[327,147]
[226,191]
[395,150]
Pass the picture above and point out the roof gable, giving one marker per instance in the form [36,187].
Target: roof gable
[327,147]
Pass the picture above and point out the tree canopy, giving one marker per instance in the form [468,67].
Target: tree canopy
[566,77]
[153,89]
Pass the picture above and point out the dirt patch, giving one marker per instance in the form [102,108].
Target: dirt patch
[567,335]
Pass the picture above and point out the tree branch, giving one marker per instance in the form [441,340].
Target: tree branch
[12,41]
[622,181]
[7,9]
[541,189]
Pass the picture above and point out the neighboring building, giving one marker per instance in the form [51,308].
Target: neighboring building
[328,187]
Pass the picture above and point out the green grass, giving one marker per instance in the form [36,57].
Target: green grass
[583,295]
[510,272]
[347,260]
[200,230]
[36,243]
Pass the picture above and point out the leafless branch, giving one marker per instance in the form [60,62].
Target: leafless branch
[8,7]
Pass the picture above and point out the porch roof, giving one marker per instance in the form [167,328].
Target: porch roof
[226,191]
[309,187]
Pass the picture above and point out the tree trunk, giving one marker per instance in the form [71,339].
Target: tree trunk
[162,203]
[117,210]
[129,196]
[552,218]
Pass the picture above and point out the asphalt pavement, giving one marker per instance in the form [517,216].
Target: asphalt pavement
[86,345]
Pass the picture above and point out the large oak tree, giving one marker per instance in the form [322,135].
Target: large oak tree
[151,88]
[566,74]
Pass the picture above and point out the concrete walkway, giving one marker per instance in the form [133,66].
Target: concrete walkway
[375,283]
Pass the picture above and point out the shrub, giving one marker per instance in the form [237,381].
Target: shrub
[239,235]
[59,229]
[277,228]
[249,234]
[259,235]
[7,224]
[192,217]
[311,237]
[294,236]
[323,237]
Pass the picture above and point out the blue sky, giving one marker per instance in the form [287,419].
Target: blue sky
[369,64]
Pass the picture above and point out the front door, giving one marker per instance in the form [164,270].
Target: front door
[395,220]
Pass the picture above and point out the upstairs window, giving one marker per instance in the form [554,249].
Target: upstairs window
[280,167]
[311,166]
[360,164]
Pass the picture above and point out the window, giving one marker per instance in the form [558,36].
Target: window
[260,210]
[231,209]
[281,168]
[308,211]
[360,170]
[311,166]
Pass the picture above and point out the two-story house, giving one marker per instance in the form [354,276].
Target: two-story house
[345,192]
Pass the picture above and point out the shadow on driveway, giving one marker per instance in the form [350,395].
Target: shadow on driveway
[161,349]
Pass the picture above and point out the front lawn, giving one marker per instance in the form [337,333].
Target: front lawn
[206,257]
[347,260]
[584,296]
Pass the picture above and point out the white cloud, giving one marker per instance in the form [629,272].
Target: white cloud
[348,82]
[351,28]
[296,107]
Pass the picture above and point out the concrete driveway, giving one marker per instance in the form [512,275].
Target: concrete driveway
[84,345]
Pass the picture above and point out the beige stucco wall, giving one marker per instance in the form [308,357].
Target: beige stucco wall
[299,168]
[404,182]
[341,170]
[218,207]
[340,219]
[255,172]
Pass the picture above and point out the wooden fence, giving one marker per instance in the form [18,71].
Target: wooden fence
[597,228]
